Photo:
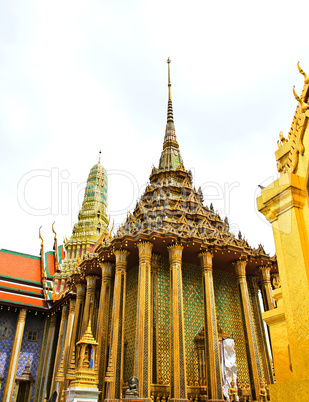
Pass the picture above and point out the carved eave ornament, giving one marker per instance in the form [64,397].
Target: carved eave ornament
[287,155]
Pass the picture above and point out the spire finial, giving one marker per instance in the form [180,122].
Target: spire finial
[100,156]
[170,117]
[169,79]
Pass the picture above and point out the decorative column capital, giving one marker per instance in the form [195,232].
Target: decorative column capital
[144,248]
[91,282]
[206,260]
[240,268]
[107,270]
[22,315]
[265,272]
[175,251]
[121,256]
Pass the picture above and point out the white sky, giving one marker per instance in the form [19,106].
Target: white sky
[80,76]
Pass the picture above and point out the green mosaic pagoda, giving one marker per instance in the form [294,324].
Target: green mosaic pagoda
[92,223]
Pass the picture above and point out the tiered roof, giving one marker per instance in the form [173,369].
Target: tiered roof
[172,210]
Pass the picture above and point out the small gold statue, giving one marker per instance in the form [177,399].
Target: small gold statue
[232,392]
[86,359]
[263,392]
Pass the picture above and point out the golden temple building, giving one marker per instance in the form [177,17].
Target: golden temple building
[285,204]
[167,308]
[164,296]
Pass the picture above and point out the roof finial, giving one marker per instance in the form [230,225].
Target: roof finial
[40,236]
[100,156]
[53,229]
[170,117]
[169,79]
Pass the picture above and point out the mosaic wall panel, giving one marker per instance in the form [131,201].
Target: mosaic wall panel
[229,317]
[130,322]
[228,314]
[163,323]
[193,315]
[255,316]
[9,319]
[29,350]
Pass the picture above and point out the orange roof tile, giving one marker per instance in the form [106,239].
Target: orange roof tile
[21,266]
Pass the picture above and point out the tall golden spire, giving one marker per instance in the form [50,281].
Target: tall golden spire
[100,156]
[170,157]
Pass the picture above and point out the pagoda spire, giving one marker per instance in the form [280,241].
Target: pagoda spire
[91,225]
[170,116]
[170,158]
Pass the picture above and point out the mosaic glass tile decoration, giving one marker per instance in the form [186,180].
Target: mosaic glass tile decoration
[229,317]
[163,323]
[9,319]
[130,322]
[29,350]
[193,310]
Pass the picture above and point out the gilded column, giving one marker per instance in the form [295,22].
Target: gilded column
[103,321]
[10,378]
[178,358]
[67,343]
[79,310]
[251,347]
[266,289]
[213,369]
[154,308]
[89,303]
[80,298]
[114,375]
[254,289]
[63,324]
[143,354]
[47,355]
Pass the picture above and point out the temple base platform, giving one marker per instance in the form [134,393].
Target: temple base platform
[80,394]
